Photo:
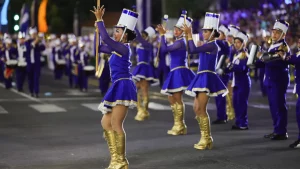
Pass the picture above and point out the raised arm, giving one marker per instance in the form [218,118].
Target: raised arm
[169,48]
[101,48]
[144,43]
[209,47]
[115,46]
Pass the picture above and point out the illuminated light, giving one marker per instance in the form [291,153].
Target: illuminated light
[16,27]
[16,17]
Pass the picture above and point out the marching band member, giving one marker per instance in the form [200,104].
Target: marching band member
[83,67]
[104,80]
[224,50]
[295,59]
[241,82]
[64,48]
[22,63]
[34,61]
[58,59]
[115,103]
[72,53]
[163,68]
[265,46]
[11,56]
[233,30]
[180,75]
[277,80]
[2,57]
[206,84]
[144,73]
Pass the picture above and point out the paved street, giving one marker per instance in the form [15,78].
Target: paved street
[61,130]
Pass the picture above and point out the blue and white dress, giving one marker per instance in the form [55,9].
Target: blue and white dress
[144,70]
[180,75]
[206,79]
[123,90]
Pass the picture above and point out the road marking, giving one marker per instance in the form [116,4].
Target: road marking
[22,94]
[158,106]
[3,111]
[92,106]
[70,98]
[76,93]
[47,108]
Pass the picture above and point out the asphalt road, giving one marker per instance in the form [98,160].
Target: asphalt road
[61,130]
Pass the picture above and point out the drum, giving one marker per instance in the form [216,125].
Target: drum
[11,64]
[89,70]
[60,64]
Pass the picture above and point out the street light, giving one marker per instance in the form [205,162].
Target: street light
[16,17]
[16,27]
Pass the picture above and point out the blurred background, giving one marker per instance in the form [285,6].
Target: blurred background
[73,16]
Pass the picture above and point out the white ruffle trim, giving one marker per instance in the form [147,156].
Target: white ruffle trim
[192,93]
[138,77]
[104,109]
[169,91]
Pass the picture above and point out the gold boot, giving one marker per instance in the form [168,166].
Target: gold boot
[179,127]
[206,140]
[122,162]
[229,108]
[111,142]
[143,113]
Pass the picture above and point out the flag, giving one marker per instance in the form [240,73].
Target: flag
[4,20]
[24,21]
[143,7]
[42,22]
[33,13]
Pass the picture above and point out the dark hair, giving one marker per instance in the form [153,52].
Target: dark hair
[242,41]
[216,33]
[144,32]
[131,35]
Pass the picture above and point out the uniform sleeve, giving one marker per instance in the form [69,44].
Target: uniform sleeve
[169,48]
[210,47]
[115,46]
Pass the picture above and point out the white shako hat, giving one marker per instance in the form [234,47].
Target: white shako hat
[150,31]
[32,30]
[242,36]
[128,19]
[180,21]
[233,30]
[21,35]
[224,29]
[281,25]
[211,21]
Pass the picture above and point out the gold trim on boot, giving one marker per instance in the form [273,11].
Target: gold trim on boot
[179,127]
[111,142]
[142,107]
[229,108]
[122,162]
[206,140]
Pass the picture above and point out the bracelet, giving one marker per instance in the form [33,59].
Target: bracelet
[99,20]
[190,38]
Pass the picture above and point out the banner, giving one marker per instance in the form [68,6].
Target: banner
[42,22]
[24,21]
